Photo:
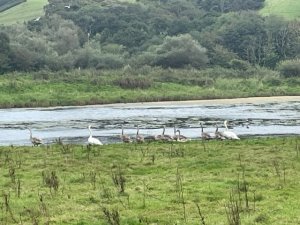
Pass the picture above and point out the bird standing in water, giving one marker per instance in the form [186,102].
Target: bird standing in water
[34,140]
[92,140]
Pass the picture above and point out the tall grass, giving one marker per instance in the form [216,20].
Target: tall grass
[114,86]
[246,182]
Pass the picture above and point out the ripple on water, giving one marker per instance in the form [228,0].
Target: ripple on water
[70,123]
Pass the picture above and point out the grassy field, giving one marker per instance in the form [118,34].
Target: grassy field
[252,181]
[23,12]
[82,88]
[289,9]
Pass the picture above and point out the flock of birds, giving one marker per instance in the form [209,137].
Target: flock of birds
[139,138]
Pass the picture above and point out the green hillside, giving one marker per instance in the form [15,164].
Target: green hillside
[287,8]
[23,12]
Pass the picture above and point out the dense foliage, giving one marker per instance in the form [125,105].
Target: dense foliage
[101,34]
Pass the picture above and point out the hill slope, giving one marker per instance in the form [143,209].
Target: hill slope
[23,12]
[289,9]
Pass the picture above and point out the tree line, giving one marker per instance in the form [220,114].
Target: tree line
[102,34]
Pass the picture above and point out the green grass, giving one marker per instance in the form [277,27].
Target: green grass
[86,87]
[289,9]
[154,175]
[23,12]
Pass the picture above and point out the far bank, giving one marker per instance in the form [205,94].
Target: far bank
[79,88]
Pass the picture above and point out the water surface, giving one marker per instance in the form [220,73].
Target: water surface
[70,123]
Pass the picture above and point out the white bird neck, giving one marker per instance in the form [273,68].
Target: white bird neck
[90,131]
[225,124]
[30,133]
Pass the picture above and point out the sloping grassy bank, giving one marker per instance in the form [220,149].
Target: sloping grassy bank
[289,9]
[88,87]
[156,183]
[23,12]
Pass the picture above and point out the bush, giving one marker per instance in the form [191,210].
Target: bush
[273,81]
[289,68]
[133,82]
[239,64]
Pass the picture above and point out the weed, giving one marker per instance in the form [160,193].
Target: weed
[297,149]
[93,176]
[8,210]
[112,217]
[119,180]
[261,218]
[12,174]
[233,210]
[179,190]
[34,215]
[51,180]
[43,209]
[202,219]
[106,193]
[18,188]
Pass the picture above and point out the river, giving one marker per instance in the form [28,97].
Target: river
[70,123]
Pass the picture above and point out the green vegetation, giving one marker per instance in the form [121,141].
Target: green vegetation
[252,181]
[169,34]
[289,9]
[143,85]
[23,12]
[148,51]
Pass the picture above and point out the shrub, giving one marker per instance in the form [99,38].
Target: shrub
[289,68]
[239,64]
[273,81]
[133,82]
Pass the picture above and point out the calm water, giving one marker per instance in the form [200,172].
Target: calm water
[70,123]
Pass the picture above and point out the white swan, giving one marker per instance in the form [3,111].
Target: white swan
[34,140]
[92,140]
[229,134]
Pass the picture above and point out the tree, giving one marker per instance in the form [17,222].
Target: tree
[180,51]
[245,35]
[5,52]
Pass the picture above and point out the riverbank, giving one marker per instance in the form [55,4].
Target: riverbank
[251,100]
[84,88]
[227,101]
